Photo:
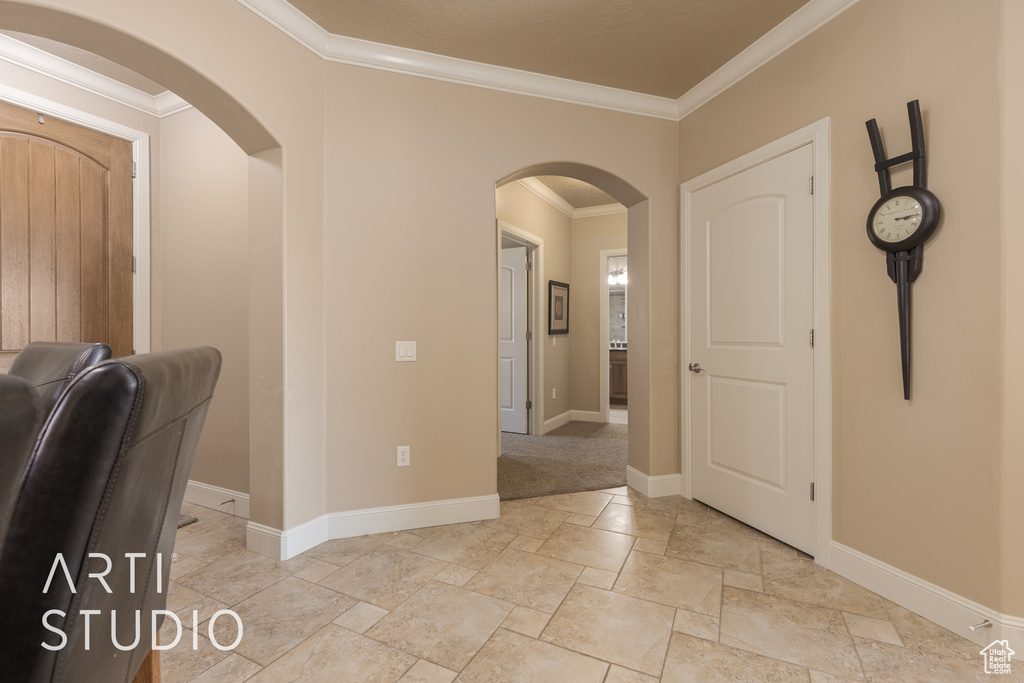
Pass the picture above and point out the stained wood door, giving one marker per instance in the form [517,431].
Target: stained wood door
[65,234]
[751,283]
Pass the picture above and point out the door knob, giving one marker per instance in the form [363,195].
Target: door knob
[695,367]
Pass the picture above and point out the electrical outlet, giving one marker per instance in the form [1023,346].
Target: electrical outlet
[403,456]
[554,392]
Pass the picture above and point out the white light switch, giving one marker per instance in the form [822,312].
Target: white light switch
[405,351]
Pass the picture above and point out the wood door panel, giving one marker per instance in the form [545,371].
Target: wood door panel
[14,302]
[65,234]
[42,246]
[68,263]
[120,271]
[93,253]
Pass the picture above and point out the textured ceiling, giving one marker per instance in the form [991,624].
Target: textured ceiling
[576,193]
[657,47]
[90,61]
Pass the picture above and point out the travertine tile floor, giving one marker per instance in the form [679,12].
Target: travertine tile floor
[599,586]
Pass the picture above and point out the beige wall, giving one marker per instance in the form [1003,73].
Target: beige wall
[915,482]
[411,169]
[522,208]
[1011,474]
[589,237]
[203,253]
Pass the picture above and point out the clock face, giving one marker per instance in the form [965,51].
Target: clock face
[903,218]
[897,219]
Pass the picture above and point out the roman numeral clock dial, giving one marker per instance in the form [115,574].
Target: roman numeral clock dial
[901,221]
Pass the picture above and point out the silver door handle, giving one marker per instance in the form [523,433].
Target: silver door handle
[695,367]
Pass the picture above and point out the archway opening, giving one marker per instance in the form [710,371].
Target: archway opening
[583,409]
[265,222]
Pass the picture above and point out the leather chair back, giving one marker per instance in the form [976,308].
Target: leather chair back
[106,478]
[19,424]
[51,366]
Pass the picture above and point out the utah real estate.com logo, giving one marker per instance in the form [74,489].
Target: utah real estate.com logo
[997,657]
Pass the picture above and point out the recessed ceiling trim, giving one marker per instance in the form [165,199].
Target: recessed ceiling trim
[603,210]
[42,62]
[373,55]
[794,28]
[554,199]
[547,194]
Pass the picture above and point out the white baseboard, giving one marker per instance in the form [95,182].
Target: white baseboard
[654,487]
[285,545]
[215,497]
[556,422]
[587,416]
[945,608]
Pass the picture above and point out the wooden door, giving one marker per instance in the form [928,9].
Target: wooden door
[751,278]
[65,234]
[618,380]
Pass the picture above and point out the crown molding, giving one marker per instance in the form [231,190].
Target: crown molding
[34,59]
[547,194]
[551,197]
[372,55]
[792,30]
[341,49]
[603,210]
[345,50]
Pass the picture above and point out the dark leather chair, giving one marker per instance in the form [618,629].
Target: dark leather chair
[19,423]
[51,366]
[106,478]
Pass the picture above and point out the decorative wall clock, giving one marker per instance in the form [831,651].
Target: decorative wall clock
[901,221]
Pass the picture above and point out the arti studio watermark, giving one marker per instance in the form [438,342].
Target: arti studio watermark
[59,563]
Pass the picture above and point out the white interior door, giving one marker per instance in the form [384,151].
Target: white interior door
[513,340]
[751,265]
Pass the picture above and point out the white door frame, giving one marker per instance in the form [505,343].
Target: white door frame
[817,134]
[140,196]
[534,349]
[603,354]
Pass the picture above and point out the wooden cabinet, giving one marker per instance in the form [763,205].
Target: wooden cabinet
[617,377]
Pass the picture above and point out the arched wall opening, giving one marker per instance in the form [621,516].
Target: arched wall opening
[265,224]
[638,313]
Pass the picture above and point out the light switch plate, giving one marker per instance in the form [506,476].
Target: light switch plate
[405,351]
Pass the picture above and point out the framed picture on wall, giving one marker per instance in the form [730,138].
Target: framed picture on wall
[558,307]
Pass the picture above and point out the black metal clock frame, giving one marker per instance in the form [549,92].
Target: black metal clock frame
[904,259]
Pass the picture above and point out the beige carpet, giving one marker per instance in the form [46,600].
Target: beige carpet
[579,456]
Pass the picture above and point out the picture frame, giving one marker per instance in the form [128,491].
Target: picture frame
[558,307]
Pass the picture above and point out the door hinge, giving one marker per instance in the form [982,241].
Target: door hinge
[529,405]
[133,169]
[812,491]
[529,266]
[133,264]
[529,336]
[812,337]
[810,185]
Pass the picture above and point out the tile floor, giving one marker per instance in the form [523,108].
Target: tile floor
[598,586]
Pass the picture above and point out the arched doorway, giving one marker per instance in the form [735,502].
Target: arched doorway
[637,220]
[265,226]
